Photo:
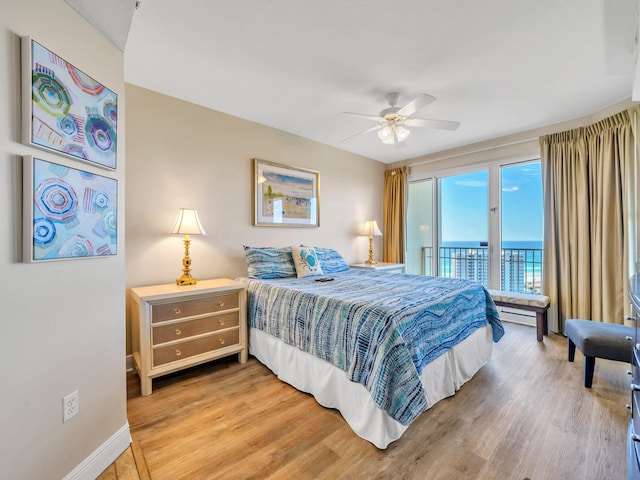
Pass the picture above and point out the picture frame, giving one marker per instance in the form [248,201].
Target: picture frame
[66,111]
[285,196]
[67,213]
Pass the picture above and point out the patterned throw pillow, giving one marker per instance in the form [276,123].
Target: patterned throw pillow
[306,261]
[331,260]
[269,262]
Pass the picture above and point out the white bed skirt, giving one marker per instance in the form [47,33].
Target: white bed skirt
[331,388]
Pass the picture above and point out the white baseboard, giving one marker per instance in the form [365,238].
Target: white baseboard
[129,365]
[103,456]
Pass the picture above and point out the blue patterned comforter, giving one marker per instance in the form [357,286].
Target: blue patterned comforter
[380,328]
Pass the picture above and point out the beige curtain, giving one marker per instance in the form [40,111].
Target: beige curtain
[585,269]
[395,182]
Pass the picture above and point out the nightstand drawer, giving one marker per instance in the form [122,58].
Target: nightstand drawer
[195,306]
[190,328]
[179,351]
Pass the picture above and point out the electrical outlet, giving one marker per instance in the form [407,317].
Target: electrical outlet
[70,406]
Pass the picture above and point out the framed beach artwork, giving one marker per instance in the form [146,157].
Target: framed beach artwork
[285,196]
[68,213]
[65,110]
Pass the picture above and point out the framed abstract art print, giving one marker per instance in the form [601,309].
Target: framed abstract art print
[68,213]
[65,110]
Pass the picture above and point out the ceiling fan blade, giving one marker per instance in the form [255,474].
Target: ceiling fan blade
[372,129]
[440,124]
[416,104]
[363,115]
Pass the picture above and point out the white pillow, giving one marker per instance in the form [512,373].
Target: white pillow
[306,261]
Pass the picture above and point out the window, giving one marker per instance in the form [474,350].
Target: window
[470,239]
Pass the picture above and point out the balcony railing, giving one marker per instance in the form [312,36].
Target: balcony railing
[521,268]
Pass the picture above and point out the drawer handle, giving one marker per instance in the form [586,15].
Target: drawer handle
[177,311]
[178,353]
[221,322]
[221,304]
[178,332]
[635,437]
[635,387]
[222,342]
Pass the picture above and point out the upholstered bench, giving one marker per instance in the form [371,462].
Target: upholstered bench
[525,301]
[598,340]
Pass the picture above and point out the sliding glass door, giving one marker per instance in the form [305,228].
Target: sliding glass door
[484,226]
[419,258]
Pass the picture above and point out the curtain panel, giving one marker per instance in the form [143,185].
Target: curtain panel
[395,192]
[585,174]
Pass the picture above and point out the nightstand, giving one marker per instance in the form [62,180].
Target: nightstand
[174,327]
[381,266]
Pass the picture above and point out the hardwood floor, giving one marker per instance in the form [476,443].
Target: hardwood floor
[525,415]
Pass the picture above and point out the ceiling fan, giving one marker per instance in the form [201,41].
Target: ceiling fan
[393,119]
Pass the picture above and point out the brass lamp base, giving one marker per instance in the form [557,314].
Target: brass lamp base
[186,278]
[370,260]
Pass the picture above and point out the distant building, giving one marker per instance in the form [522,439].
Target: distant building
[472,264]
[513,270]
[518,272]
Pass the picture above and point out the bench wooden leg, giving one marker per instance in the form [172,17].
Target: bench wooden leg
[541,325]
[589,365]
[572,349]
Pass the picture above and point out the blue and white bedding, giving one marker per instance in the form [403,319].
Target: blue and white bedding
[381,329]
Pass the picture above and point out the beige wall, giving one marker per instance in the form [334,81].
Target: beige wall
[63,326]
[183,155]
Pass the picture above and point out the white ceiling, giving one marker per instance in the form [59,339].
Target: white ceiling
[498,67]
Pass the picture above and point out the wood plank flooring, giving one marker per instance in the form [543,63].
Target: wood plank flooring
[525,415]
[130,465]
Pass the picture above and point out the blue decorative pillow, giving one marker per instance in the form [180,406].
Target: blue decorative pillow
[306,261]
[331,260]
[269,262]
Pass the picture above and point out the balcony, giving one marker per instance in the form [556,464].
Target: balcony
[521,267]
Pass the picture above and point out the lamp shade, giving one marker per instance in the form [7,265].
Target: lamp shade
[402,133]
[188,223]
[371,229]
[385,134]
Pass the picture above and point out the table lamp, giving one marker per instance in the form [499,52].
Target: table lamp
[371,229]
[187,224]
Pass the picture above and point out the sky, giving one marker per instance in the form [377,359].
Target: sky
[465,205]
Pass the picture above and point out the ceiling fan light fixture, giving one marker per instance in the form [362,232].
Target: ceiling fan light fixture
[386,136]
[391,121]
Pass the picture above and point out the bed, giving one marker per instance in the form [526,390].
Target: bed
[379,347]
